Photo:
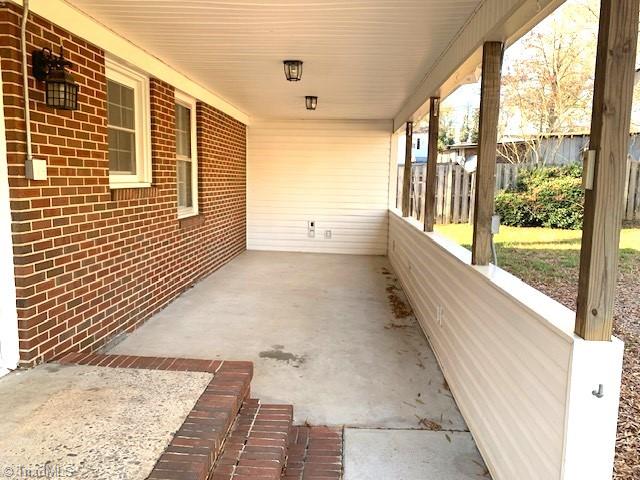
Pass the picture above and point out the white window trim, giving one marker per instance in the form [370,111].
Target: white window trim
[191,103]
[140,84]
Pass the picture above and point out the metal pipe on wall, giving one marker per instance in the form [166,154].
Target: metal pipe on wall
[25,78]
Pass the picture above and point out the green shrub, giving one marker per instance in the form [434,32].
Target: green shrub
[514,209]
[549,197]
[558,202]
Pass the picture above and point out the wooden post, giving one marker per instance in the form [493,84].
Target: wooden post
[432,165]
[487,152]
[406,184]
[609,140]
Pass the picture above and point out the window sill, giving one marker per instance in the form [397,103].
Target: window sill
[186,213]
[114,186]
[195,220]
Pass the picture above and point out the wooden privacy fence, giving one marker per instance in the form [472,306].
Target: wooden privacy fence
[455,192]
[632,193]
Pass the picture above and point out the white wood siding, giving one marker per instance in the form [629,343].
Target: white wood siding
[335,173]
[522,380]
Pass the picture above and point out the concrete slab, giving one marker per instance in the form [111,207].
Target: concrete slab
[411,455]
[91,422]
[327,333]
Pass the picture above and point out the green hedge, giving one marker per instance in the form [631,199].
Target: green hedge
[544,197]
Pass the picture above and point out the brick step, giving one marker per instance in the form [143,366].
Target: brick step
[256,447]
[195,447]
[314,453]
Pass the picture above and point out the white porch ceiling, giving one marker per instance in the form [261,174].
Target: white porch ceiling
[362,58]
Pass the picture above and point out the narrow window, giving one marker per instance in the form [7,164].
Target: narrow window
[122,132]
[186,156]
[128,131]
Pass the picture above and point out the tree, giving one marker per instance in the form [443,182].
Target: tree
[470,126]
[446,132]
[547,87]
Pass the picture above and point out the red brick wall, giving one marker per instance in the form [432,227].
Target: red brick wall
[92,262]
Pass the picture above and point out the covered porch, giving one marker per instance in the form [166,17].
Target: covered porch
[196,220]
[333,335]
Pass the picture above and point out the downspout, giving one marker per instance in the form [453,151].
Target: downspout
[25,80]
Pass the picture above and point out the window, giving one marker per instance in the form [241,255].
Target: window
[186,156]
[128,127]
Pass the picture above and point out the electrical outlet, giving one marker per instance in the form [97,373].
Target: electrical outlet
[327,234]
[311,229]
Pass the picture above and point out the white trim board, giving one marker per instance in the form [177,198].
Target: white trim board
[79,23]
[9,350]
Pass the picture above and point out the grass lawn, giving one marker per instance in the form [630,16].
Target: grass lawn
[540,255]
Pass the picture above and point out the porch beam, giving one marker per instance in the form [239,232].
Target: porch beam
[603,211]
[487,148]
[406,179]
[432,165]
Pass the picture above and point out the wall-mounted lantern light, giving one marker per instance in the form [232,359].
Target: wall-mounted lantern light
[60,86]
[311,102]
[293,70]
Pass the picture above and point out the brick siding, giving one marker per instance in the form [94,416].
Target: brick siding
[91,262]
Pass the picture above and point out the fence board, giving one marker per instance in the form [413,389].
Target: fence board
[466,180]
[472,196]
[440,194]
[448,194]
[456,194]
[633,192]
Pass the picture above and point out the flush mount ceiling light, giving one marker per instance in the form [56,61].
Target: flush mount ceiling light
[60,86]
[293,70]
[311,102]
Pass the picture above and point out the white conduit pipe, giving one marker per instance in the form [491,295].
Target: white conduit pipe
[25,77]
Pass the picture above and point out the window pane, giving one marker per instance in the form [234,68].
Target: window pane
[183,131]
[127,96]
[127,117]
[120,105]
[122,152]
[113,92]
[184,184]
[121,114]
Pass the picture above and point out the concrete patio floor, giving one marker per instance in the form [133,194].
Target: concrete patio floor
[329,334]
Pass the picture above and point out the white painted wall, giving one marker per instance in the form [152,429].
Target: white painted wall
[335,173]
[521,378]
[8,316]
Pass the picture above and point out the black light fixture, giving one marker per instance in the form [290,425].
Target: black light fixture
[311,102]
[60,86]
[293,70]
